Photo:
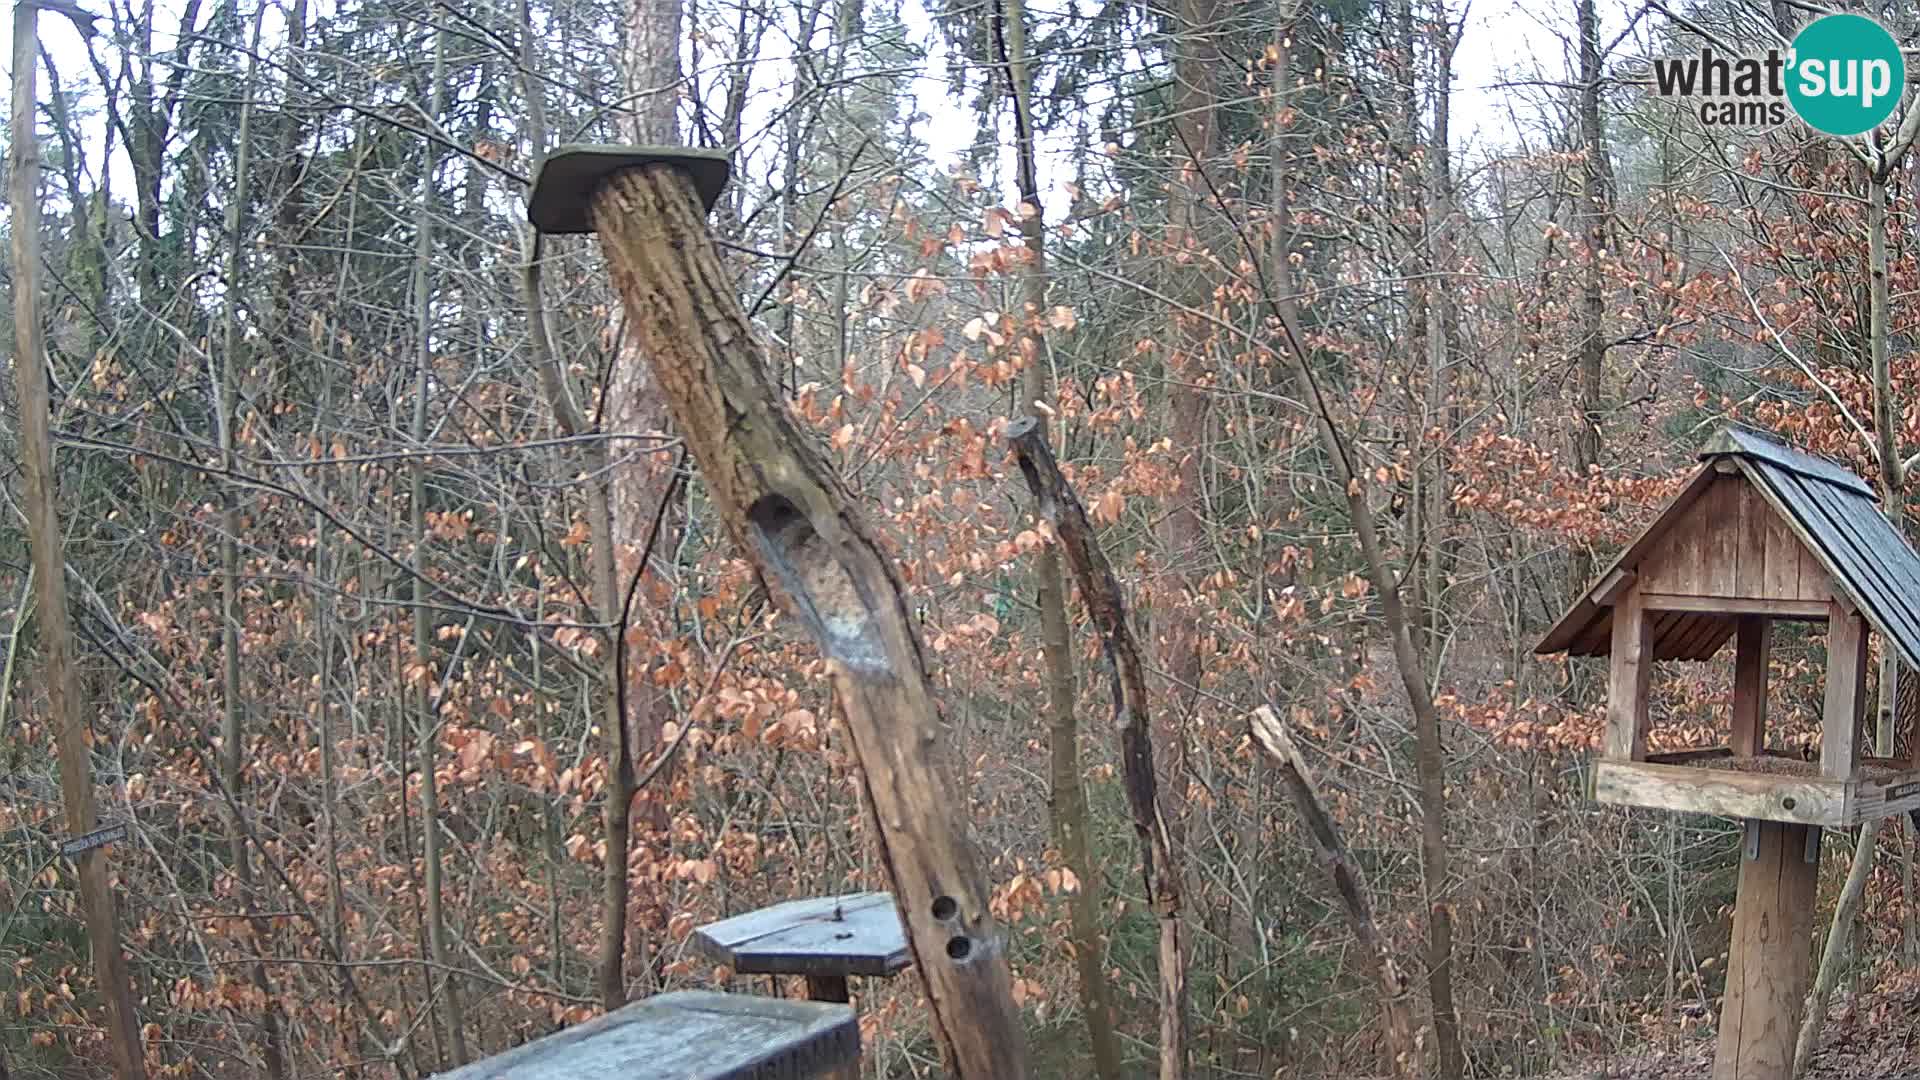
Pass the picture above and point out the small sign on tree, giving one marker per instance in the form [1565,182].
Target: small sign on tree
[100,837]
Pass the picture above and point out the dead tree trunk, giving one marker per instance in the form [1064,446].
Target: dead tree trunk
[1100,591]
[796,522]
[1069,802]
[1349,882]
[66,710]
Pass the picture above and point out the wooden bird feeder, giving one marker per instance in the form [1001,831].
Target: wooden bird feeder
[1760,534]
[825,939]
[790,514]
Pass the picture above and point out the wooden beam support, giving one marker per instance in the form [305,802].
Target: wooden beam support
[1609,588]
[1769,956]
[1632,666]
[1723,792]
[1846,691]
[1810,610]
[789,513]
[1752,639]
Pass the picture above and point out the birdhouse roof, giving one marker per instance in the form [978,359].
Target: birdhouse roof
[1831,515]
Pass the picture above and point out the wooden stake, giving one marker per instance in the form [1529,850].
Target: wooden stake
[791,516]
[1769,956]
[1100,591]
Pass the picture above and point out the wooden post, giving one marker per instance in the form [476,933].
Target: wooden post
[1770,954]
[1628,673]
[791,516]
[1752,640]
[1846,690]
[828,988]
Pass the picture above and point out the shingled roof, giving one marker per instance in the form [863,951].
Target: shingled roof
[1832,512]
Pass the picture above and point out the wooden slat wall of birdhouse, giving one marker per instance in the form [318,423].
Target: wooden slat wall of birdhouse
[1732,545]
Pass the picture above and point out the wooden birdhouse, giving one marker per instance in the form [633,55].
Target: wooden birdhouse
[1762,533]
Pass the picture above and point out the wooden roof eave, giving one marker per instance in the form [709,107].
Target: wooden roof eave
[1589,608]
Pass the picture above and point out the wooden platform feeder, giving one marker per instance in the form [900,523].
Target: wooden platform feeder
[1760,534]
[825,940]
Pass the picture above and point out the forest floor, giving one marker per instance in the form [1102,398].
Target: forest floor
[1872,1036]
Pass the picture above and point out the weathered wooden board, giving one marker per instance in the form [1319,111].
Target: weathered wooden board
[1731,543]
[855,934]
[1724,792]
[689,1035]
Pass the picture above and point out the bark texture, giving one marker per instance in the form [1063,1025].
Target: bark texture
[1106,607]
[791,515]
[66,708]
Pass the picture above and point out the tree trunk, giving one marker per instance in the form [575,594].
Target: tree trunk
[1106,608]
[793,518]
[1596,208]
[233,736]
[66,710]
[1069,803]
[1833,956]
[1430,757]
[1182,531]
[617,516]
[1440,421]
[426,710]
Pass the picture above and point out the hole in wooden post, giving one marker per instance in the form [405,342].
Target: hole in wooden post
[944,908]
[959,947]
[1788,803]
[829,600]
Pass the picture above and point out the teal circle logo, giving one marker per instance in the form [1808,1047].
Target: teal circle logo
[1846,74]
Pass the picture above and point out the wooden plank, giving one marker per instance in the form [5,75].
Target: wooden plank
[1628,673]
[855,934]
[1608,591]
[1720,537]
[1699,637]
[1785,555]
[1754,516]
[1752,639]
[1722,792]
[1785,609]
[1769,956]
[689,1035]
[1846,690]
[1741,440]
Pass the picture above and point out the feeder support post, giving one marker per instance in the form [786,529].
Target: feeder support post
[795,521]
